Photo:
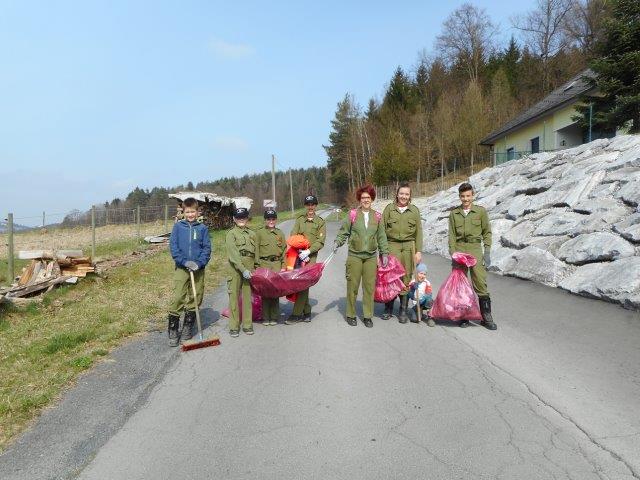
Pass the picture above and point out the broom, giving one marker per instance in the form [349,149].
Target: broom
[202,343]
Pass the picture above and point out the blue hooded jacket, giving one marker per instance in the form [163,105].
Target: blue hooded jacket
[190,241]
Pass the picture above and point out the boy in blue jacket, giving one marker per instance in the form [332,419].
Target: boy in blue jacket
[191,250]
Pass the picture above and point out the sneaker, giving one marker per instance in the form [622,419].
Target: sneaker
[464,323]
[367,322]
[306,317]
[269,323]
[234,333]
[430,322]
[248,331]
[292,320]
[352,321]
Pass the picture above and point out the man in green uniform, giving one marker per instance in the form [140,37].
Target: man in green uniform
[403,227]
[241,251]
[469,229]
[365,231]
[270,254]
[313,228]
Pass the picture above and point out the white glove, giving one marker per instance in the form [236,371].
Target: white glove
[246,275]
[304,254]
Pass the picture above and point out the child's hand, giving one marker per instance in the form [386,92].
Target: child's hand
[191,265]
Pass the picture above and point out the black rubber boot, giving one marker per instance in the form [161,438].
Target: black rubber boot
[187,328]
[172,328]
[485,309]
[414,318]
[403,317]
[388,310]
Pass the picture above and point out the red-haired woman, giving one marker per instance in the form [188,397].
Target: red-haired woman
[364,229]
[403,227]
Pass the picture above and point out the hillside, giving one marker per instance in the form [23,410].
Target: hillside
[567,219]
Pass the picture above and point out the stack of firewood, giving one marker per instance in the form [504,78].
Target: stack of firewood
[48,269]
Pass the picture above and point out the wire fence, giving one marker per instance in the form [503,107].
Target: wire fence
[99,233]
[427,189]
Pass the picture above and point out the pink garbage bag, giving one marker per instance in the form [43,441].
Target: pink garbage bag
[465,259]
[256,307]
[389,280]
[270,284]
[456,299]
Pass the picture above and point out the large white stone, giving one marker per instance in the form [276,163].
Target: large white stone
[533,263]
[595,247]
[500,257]
[617,281]
[629,228]
[518,237]
[624,142]
[560,222]
[629,193]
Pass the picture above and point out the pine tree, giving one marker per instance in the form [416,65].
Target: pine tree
[617,70]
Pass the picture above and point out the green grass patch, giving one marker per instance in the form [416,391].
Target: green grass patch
[45,346]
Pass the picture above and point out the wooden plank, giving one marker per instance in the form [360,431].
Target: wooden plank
[29,289]
[28,274]
[48,254]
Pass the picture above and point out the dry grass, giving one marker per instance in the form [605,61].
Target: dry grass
[43,348]
[76,237]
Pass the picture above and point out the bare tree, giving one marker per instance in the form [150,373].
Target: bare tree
[543,31]
[583,24]
[467,37]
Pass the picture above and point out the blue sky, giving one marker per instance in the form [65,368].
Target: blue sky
[98,97]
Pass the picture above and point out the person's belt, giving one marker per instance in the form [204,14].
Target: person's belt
[247,253]
[470,241]
[272,258]
[399,241]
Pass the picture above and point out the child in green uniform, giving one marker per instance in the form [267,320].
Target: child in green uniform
[365,231]
[270,254]
[312,226]
[469,229]
[241,252]
[191,250]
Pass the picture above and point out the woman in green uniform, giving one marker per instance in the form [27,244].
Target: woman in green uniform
[365,231]
[270,254]
[403,227]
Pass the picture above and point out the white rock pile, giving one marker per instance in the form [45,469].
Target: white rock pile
[567,219]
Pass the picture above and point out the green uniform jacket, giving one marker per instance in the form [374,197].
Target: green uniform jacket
[474,228]
[241,241]
[363,242]
[403,227]
[271,247]
[313,230]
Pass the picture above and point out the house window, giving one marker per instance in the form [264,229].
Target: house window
[511,153]
[535,145]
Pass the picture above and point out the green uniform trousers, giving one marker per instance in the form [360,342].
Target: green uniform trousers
[183,291]
[236,285]
[361,269]
[478,271]
[270,306]
[302,306]
[403,251]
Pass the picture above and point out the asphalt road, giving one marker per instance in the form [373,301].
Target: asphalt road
[552,394]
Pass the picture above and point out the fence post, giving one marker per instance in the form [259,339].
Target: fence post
[43,219]
[166,217]
[10,267]
[106,217]
[138,222]
[93,233]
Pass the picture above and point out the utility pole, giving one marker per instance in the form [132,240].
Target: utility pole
[273,177]
[291,189]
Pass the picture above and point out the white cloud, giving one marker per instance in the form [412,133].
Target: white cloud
[233,51]
[230,144]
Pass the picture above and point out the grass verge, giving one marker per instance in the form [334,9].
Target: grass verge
[44,347]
